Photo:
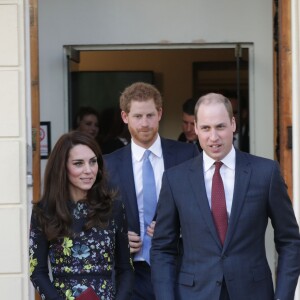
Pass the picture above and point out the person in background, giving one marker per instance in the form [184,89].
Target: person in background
[87,120]
[220,203]
[80,226]
[129,170]
[241,134]
[117,135]
[188,134]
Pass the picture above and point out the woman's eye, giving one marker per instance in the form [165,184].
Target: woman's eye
[93,161]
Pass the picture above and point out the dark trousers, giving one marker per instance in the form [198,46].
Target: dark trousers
[224,292]
[143,289]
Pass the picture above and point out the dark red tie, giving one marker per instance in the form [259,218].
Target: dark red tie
[218,203]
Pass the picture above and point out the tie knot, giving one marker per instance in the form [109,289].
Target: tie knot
[146,154]
[218,165]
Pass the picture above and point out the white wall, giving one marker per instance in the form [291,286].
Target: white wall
[101,22]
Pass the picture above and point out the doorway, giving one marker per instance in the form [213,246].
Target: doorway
[179,72]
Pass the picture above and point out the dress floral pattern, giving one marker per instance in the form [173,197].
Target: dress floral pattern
[87,259]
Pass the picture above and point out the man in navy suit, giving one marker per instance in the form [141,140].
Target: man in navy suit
[235,267]
[141,110]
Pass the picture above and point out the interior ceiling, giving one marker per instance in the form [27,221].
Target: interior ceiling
[212,68]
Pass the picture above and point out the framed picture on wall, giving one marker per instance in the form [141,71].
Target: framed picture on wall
[45,139]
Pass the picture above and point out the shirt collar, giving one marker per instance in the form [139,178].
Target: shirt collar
[228,160]
[138,151]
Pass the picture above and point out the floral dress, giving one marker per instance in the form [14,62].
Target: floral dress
[87,259]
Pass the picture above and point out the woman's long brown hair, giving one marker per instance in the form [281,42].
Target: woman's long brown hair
[53,211]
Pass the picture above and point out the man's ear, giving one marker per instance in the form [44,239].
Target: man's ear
[159,113]
[124,116]
[195,127]
[233,124]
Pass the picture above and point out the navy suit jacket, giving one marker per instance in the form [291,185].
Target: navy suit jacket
[120,173]
[259,195]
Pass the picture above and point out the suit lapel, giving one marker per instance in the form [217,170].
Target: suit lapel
[242,178]
[128,188]
[196,176]
[168,154]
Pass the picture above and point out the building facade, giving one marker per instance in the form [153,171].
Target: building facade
[113,25]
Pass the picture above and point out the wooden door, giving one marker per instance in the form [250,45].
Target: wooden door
[35,102]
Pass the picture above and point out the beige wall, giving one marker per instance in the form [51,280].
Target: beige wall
[13,189]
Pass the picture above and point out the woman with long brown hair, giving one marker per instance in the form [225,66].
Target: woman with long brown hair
[80,226]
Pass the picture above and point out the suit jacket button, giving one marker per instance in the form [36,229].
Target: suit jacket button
[219,283]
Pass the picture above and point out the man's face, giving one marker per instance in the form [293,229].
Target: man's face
[143,122]
[215,130]
[188,127]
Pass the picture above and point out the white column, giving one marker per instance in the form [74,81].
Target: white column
[13,138]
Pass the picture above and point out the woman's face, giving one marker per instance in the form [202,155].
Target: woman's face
[90,125]
[82,170]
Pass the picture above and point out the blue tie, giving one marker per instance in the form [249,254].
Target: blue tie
[150,201]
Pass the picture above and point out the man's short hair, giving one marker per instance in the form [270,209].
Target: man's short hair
[188,106]
[140,91]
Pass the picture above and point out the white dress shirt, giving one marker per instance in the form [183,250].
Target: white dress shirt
[227,172]
[157,161]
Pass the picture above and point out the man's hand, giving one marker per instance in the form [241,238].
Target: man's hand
[135,242]
[150,228]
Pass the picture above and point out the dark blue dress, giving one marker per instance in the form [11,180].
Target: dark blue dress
[87,259]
